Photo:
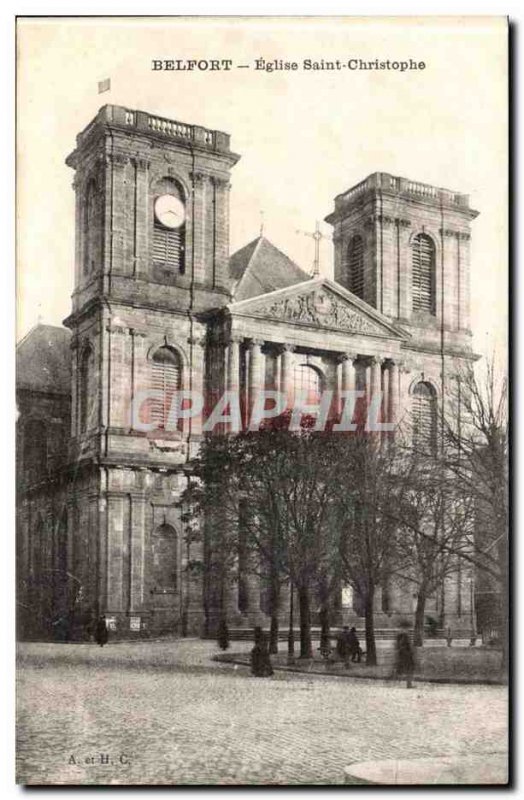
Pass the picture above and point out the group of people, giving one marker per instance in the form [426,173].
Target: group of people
[348,649]
[348,646]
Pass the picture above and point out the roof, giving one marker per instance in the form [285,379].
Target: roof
[259,268]
[43,360]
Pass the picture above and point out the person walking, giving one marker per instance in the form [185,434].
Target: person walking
[405,658]
[101,634]
[354,646]
[260,659]
[344,646]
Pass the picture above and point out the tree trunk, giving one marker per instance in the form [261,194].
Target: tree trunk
[306,650]
[504,664]
[325,639]
[273,634]
[505,627]
[418,632]
[291,632]
[371,650]
[274,609]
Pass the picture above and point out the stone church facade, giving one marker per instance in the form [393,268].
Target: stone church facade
[159,304]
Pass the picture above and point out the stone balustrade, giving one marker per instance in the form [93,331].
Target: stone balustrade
[398,185]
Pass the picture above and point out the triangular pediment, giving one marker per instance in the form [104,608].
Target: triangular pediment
[322,304]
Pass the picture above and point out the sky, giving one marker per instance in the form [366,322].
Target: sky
[304,136]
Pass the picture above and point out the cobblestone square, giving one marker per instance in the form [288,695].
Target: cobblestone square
[164,713]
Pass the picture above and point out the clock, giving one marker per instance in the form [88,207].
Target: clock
[170,211]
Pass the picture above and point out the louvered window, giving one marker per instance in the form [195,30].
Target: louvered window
[169,247]
[424,411]
[423,274]
[166,379]
[356,266]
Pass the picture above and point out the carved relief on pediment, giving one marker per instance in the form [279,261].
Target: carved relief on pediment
[322,309]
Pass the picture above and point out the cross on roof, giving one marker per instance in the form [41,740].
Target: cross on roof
[317,236]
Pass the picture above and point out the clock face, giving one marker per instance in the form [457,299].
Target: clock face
[170,211]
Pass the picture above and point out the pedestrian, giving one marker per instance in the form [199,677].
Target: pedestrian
[405,658]
[223,635]
[344,645]
[354,646]
[101,634]
[260,659]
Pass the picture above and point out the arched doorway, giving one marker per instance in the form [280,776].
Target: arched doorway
[164,547]
[165,579]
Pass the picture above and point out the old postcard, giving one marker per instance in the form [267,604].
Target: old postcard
[262,468]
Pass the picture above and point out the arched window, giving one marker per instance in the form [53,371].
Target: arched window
[164,563]
[356,266]
[424,412]
[91,232]
[307,383]
[166,378]
[86,390]
[423,273]
[169,227]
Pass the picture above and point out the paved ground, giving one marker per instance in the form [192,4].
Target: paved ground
[164,713]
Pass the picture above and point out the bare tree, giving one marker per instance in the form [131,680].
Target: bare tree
[283,481]
[433,522]
[365,495]
[476,454]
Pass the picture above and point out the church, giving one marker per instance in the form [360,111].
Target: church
[159,305]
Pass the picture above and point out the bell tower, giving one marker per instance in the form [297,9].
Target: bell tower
[404,248]
[151,254]
[152,211]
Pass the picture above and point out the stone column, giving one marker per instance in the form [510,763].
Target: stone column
[80,194]
[366,369]
[74,386]
[375,377]
[445,279]
[233,372]
[120,375]
[221,231]
[141,233]
[137,552]
[256,371]
[375,387]
[115,546]
[197,346]
[393,393]
[384,406]
[233,364]
[286,360]
[346,379]
[199,232]
[119,162]
[404,409]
